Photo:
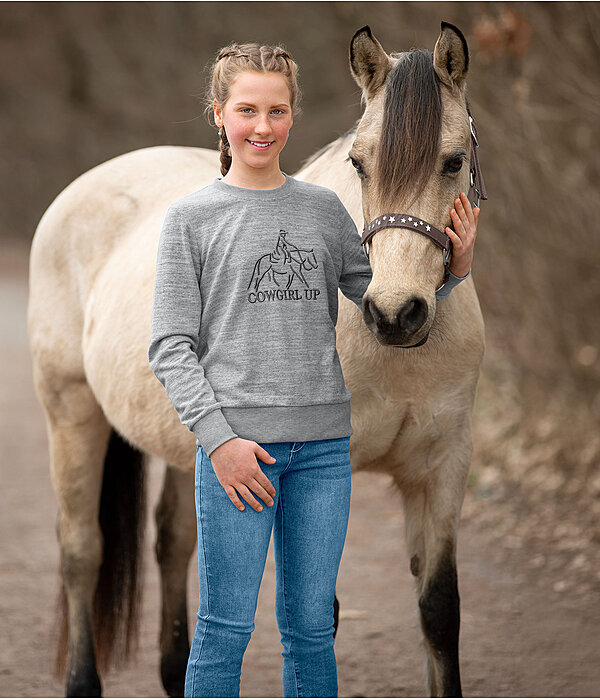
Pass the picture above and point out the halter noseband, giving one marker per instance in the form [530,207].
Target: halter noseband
[477,191]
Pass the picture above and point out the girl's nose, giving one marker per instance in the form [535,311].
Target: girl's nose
[262,125]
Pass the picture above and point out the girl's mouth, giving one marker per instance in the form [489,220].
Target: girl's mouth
[261,145]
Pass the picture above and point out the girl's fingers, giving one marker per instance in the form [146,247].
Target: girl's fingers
[461,208]
[245,492]
[456,241]
[466,205]
[262,493]
[462,217]
[458,223]
[232,493]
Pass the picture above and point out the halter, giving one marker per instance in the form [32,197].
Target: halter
[477,192]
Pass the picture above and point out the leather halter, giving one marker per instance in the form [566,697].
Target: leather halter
[477,191]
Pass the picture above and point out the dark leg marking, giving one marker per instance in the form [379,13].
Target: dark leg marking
[82,677]
[174,663]
[440,615]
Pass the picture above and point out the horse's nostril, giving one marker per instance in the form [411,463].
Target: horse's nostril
[412,315]
[407,321]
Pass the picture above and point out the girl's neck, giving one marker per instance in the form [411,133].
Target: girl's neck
[254,178]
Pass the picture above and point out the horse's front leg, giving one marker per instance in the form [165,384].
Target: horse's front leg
[176,536]
[432,512]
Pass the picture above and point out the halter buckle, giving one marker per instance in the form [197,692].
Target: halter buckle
[447,257]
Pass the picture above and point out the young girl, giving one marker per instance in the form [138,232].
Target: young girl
[243,340]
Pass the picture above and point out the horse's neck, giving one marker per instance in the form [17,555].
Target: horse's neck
[332,169]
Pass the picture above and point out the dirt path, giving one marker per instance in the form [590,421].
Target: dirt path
[530,612]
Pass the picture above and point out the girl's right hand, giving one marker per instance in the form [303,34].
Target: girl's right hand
[234,463]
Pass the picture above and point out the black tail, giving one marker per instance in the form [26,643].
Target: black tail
[118,593]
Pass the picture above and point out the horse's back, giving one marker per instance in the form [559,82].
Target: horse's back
[123,190]
[112,211]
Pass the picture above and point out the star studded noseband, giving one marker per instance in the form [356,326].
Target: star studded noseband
[477,192]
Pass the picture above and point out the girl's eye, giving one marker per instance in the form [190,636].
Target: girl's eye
[279,111]
[453,165]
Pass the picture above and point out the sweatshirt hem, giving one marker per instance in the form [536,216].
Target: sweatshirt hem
[290,423]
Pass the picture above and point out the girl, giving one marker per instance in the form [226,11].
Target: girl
[243,340]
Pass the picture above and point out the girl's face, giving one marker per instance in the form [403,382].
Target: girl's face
[257,119]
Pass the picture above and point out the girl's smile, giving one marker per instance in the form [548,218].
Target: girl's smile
[261,145]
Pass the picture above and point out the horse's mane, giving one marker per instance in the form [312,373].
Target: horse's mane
[411,128]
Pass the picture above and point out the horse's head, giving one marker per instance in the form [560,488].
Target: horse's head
[411,153]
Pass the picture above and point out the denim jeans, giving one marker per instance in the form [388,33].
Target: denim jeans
[309,519]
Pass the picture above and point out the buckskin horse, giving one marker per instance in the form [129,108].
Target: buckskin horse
[410,363]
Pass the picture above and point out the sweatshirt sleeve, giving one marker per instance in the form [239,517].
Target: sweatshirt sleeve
[444,291]
[356,270]
[174,335]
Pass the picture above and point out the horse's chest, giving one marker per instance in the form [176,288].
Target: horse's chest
[391,432]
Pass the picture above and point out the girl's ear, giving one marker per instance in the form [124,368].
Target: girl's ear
[218,112]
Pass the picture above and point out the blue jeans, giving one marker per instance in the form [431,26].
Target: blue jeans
[309,519]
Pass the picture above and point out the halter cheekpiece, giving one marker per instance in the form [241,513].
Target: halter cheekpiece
[477,192]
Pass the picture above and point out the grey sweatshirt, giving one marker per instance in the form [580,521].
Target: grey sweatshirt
[245,308]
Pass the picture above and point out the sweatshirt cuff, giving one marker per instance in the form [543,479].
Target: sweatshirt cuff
[444,291]
[212,430]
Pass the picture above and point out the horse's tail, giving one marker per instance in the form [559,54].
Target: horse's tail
[255,274]
[118,592]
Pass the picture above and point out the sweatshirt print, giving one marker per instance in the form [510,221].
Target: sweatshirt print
[245,306]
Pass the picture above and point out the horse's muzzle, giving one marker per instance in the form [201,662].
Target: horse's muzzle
[404,329]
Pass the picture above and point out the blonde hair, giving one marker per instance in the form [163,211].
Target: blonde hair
[238,58]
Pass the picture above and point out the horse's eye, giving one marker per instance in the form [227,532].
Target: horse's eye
[453,165]
[357,166]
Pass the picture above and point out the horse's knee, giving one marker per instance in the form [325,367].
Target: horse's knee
[81,553]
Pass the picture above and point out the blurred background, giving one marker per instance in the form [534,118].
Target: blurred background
[83,82]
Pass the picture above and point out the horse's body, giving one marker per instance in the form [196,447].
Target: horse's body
[92,271]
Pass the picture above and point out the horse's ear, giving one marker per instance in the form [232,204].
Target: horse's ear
[369,63]
[451,56]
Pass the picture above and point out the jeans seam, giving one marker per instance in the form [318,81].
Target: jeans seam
[289,460]
[298,450]
[206,574]
[285,608]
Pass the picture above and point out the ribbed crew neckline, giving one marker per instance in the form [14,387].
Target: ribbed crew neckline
[247,193]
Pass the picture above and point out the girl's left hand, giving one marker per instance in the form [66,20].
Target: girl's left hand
[463,236]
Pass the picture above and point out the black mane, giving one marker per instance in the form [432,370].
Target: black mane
[411,129]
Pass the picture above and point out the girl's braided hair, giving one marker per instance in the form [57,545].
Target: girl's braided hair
[238,58]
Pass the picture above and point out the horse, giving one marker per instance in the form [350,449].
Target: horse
[285,259]
[412,375]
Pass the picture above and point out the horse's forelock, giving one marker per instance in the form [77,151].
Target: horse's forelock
[411,127]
